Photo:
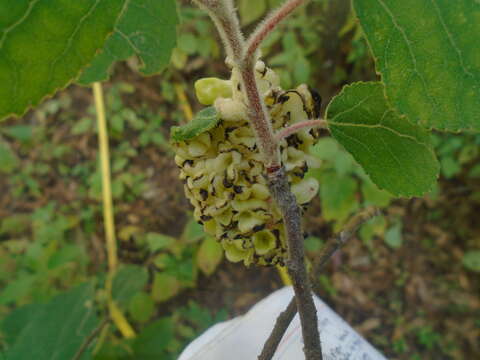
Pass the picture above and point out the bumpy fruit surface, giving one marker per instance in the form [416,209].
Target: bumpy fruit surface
[224,175]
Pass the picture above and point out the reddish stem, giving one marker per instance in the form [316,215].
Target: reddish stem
[292,129]
[268,25]
[259,118]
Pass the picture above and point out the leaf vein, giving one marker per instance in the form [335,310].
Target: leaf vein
[451,40]
[70,41]
[408,42]
[380,126]
[20,21]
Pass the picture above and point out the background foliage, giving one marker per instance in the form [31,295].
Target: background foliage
[406,284]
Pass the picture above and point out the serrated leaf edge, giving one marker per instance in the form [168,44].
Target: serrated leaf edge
[73,79]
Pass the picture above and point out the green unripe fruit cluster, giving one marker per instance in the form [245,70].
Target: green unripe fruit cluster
[223,172]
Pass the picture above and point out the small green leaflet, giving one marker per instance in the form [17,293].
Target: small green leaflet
[45,44]
[427,52]
[8,159]
[205,120]
[209,255]
[147,28]
[471,260]
[129,280]
[396,154]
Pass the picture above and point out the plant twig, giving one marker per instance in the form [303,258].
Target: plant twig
[292,129]
[226,20]
[267,25]
[339,241]
[332,246]
[109,223]
[86,343]
[259,118]
[286,201]
[281,325]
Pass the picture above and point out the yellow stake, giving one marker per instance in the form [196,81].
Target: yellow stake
[282,271]
[183,101]
[109,225]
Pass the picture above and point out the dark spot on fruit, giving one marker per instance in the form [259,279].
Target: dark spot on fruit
[204,194]
[294,140]
[276,232]
[227,183]
[258,228]
[305,167]
[228,130]
[263,72]
[282,99]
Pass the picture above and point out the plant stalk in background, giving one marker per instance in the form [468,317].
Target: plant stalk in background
[109,223]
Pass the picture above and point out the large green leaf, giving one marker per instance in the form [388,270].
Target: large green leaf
[427,52]
[53,331]
[147,29]
[15,322]
[396,154]
[45,44]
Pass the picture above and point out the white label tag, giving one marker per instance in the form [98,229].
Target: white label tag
[242,338]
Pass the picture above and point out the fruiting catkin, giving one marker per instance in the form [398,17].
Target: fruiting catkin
[224,175]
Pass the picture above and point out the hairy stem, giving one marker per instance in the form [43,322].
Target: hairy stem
[225,19]
[223,15]
[259,118]
[292,129]
[267,26]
